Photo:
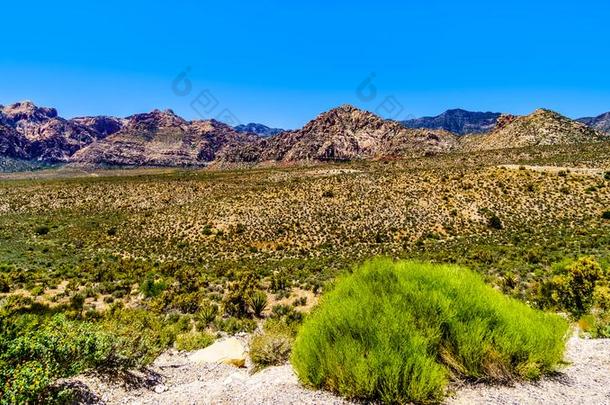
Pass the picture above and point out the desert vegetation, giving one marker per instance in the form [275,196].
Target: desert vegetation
[185,255]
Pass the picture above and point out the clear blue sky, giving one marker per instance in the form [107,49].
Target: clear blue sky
[281,63]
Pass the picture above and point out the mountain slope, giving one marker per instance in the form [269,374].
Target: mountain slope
[343,134]
[457,121]
[37,133]
[542,127]
[161,138]
[600,123]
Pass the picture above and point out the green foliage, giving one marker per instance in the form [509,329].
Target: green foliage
[190,341]
[596,325]
[258,303]
[495,222]
[234,325]
[35,351]
[572,286]
[606,215]
[206,315]
[273,346]
[41,230]
[235,302]
[396,331]
[4,284]
[152,287]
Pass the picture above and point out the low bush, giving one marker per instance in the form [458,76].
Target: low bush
[190,341]
[258,303]
[572,286]
[273,346]
[398,331]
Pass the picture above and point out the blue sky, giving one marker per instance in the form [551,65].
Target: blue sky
[282,63]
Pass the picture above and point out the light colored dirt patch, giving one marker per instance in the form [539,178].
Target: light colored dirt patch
[583,171]
[295,294]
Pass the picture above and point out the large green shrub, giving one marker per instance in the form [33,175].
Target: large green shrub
[398,331]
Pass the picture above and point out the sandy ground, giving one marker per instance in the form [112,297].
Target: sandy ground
[172,379]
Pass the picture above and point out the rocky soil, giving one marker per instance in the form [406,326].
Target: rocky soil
[174,379]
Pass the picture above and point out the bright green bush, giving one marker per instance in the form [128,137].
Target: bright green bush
[397,331]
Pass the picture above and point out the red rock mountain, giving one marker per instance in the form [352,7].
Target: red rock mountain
[343,134]
[161,138]
[30,132]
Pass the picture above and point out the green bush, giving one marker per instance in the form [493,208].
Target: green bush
[572,286]
[258,303]
[606,215]
[272,347]
[397,331]
[152,287]
[206,315]
[35,351]
[190,341]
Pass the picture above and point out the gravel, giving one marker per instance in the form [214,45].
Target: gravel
[172,379]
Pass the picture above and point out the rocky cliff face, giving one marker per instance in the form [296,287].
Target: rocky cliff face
[600,123]
[457,121]
[161,138]
[542,127]
[38,133]
[343,134]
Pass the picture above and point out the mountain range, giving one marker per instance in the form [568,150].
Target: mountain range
[162,138]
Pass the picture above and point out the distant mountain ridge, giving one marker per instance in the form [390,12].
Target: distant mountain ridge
[161,138]
[600,123]
[542,127]
[258,129]
[458,121]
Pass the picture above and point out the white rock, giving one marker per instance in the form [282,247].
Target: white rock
[160,389]
[229,351]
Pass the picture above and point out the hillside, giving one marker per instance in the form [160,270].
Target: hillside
[600,123]
[161,138]
[542,127]
[458,121]
[344,134]
[29,132]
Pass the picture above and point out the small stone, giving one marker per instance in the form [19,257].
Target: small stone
[160,389]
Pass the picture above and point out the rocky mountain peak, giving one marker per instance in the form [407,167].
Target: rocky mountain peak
[26,111]
[504,120]
[154,120]
[258,129]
